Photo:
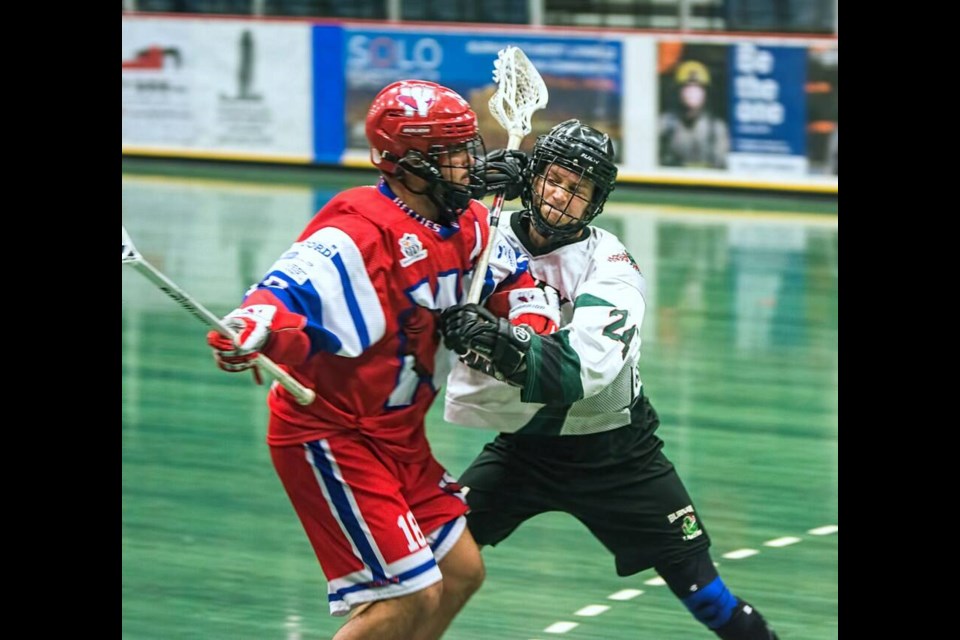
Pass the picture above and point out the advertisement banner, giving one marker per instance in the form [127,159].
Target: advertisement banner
[680,108]
[583,76]
[216,87]
[692,126]
[768,109]
[823,109]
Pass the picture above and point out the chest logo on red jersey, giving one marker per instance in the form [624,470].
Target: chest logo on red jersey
[412,249]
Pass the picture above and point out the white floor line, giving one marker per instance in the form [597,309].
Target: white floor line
[628,594]
[824,530]
[785,541]
[592,610]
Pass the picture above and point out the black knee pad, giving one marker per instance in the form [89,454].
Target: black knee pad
[698,585]
[688,575]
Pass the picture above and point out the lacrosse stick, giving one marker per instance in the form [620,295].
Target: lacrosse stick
[130,256]
[520,92]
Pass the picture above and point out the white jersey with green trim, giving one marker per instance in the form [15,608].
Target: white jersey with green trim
[583,378]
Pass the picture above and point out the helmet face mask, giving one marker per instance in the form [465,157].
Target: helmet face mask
[572,174]
[562,199]
[422,129]
[443,170]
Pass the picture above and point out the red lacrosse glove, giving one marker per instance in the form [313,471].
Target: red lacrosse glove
[538,307]
[258,327]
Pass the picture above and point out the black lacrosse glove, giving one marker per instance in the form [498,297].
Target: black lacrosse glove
[504,171]
[481,364]
[485,342]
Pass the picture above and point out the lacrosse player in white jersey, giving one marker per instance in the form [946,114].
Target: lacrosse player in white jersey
[577,433]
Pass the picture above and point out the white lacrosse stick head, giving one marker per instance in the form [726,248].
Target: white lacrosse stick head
[520,92]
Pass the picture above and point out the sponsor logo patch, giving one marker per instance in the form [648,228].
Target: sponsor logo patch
[689,526]
[412,249]
[623,256]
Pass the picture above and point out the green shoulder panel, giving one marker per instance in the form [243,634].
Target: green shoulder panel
[587,300]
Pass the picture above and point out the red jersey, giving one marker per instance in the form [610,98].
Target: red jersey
[371,276]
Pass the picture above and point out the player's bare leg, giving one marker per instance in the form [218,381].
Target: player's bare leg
[394,619]
[463,573]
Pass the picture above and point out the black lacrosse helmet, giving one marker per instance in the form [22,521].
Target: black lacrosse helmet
[583,150]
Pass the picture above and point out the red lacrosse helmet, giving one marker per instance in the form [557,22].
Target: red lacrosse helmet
[417,127]
[416,114]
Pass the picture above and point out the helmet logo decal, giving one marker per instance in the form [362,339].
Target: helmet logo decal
[417,100]
[590,158]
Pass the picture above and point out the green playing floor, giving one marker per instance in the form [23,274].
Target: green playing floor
[740,357]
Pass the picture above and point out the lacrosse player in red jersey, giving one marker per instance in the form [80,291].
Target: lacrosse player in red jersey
[351,311]
[577,433]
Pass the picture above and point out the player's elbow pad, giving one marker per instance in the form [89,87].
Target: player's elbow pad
[288,343]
